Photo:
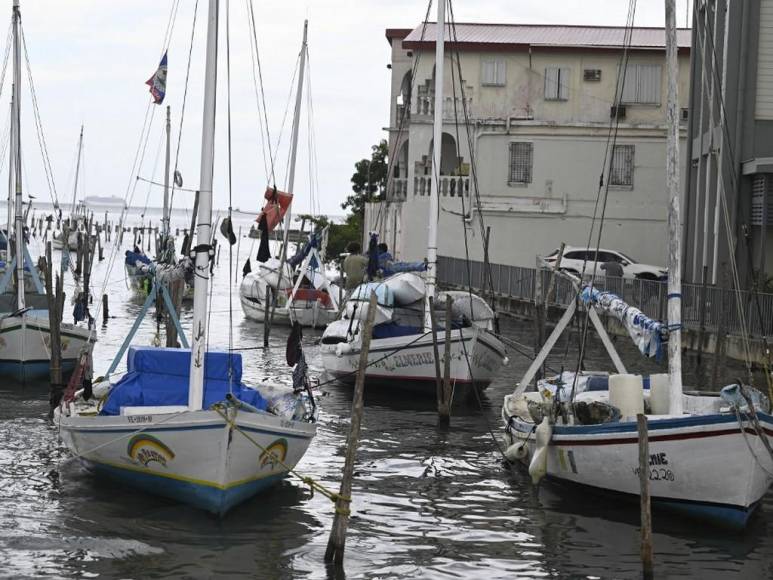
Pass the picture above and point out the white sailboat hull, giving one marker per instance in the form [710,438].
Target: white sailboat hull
[25,346]
[309,313]
[408,362]
[703,466]
[192,457]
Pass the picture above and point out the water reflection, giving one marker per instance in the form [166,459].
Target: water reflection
[428,501]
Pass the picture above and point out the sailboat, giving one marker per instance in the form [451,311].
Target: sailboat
[297,291]
[180,423]
[26,339]
[77,211]
[401,352]
[710,454]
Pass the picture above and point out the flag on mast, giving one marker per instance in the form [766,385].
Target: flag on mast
[157,82]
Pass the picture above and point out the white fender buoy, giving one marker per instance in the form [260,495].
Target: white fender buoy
[539,461]
[517,451]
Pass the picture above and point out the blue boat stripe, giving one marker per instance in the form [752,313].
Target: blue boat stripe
[149,428]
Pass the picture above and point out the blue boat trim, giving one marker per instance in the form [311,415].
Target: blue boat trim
[211,499]
[720,514]
[655,424]
[150,428]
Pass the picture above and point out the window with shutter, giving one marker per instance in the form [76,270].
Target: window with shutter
[621,172]
[493,72]
[642,84]
[556,84]
[520,163]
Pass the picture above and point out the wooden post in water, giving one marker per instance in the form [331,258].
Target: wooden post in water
[54,321]
[78,255]
[176,289]
[105,310]
[447,358]
[442,408]
[337,541]
[644,494]
[539,313]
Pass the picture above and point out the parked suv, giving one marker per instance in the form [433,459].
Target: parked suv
[574,258]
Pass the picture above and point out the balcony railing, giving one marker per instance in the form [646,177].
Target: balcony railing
[398,190]
[452,106]
[450,185]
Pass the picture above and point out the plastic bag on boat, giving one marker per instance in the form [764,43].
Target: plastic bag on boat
[734,396]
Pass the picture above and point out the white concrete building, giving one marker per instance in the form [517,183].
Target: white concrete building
[539,103]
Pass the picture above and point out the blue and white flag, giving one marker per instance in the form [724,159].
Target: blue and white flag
[157,82]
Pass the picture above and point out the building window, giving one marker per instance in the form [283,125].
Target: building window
[556,84]
[521,155]
[621,172]
[493,73]
[642,84]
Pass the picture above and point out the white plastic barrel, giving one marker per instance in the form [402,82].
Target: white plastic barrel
[660,389]
[626,392]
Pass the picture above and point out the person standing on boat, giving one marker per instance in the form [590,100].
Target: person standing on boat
[355,266]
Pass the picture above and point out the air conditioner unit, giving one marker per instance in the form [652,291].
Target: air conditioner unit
[617,112]
[591,74]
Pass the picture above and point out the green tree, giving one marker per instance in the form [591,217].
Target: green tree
[369,178]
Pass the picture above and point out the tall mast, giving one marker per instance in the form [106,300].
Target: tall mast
[16,152]
[674,219]
[204,229]
[294,144]
[77,173]
[437,146]
[165,220]
[11,162]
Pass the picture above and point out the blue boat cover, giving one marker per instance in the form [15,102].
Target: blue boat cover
[159,377]
[133,257]
[392,329]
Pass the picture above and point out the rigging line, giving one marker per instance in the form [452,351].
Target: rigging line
[182,110]
[153,173]
[708,40]
[263,94]
[170,26]
[159,184]
[230,195]
[404,116]
[253,70]
[603,191]
[473,165]
[47,168]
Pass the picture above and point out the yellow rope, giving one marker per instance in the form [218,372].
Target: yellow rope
[310,481]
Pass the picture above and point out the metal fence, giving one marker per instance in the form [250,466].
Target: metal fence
[711,307]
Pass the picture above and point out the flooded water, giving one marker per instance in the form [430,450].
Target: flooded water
[429,502]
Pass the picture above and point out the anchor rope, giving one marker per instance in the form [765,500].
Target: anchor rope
[310,481]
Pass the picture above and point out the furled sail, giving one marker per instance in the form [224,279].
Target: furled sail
[646,333]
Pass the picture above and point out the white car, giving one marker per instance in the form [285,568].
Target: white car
[575,257]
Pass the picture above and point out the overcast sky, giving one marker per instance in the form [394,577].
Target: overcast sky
[90,59]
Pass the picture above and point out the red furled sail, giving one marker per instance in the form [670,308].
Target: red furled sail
[276,206]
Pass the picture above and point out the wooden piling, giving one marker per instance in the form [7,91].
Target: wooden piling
[539,313]
[337,541]
[105,310]
[442,409]
[447,358]
[644,494]
[78,255]
[54,321]
[176,289]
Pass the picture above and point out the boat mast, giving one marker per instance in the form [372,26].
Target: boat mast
[294,144]
[204,228]
[437,146]
[674,220]
[77,173]
[11,162]
[165,220]
[16,152]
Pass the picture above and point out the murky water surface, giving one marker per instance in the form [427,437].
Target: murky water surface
[429,502]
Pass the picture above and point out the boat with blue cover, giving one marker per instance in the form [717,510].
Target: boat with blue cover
[181,423]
